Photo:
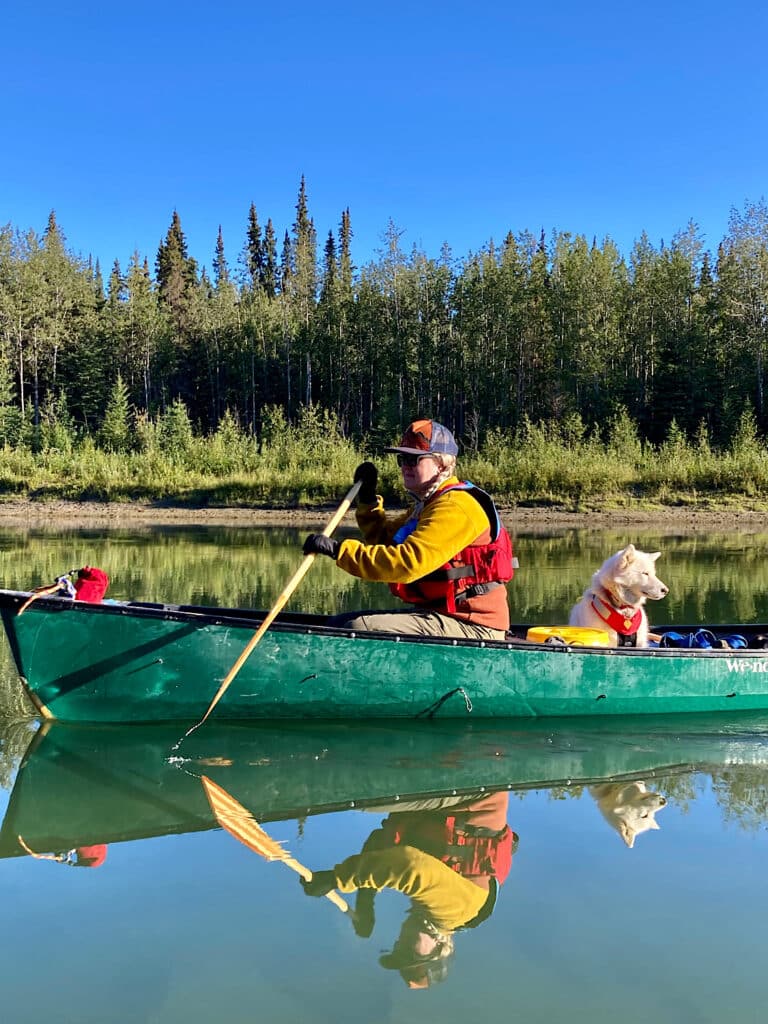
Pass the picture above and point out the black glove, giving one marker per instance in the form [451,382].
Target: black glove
[318,544]
[363,916]
[320,884]
[369,475]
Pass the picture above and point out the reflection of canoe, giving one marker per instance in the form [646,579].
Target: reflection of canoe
[80,785]
[130,662]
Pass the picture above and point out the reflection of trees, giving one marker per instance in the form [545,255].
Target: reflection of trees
[225,566]
[741,792]
[14,740]
[14,703]
[742,795]
[680,788]
[720,577]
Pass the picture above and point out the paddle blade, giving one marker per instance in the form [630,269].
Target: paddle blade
[240,823]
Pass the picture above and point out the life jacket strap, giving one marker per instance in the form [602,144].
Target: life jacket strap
[456,572]
[477,590]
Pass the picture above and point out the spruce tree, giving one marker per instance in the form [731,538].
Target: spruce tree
[269,279]
[115,433]
[255,255]
[10,414]
[176,270]
[286,263]
[220,268]
[98,283]
[143,330]
[330,268]
[346,269]
[115,286]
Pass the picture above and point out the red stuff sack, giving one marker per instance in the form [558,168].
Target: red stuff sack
[91,584]
[90,856]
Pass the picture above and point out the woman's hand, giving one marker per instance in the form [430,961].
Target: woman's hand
[367,473]
[319,544]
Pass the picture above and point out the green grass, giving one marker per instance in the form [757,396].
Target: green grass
[310,465]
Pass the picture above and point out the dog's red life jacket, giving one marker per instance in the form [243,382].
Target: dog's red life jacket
[470,571]
[616,618]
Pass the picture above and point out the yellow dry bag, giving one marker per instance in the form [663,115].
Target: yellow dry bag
[573,636]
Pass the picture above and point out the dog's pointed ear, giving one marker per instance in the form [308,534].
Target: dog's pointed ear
[655,826]
[628,554]
[655,555]
[627,834]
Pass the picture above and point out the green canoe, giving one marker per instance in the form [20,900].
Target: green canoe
[141,662]
[80,785]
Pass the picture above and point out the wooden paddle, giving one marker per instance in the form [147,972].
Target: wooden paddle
[294,581]
[40,592]
[241,824]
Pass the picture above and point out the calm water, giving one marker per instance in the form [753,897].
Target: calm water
[639,899]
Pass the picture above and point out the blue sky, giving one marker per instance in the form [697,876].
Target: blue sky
[458,121]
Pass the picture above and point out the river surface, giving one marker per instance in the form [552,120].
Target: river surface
[561,871]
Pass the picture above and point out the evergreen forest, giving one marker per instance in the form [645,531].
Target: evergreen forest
[538,346]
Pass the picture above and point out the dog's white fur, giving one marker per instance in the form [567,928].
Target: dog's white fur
[626,581]
[628,807]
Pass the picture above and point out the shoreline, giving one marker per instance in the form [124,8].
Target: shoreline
[114,514]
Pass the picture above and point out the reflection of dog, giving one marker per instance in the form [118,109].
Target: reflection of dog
[628,807]
[615,598]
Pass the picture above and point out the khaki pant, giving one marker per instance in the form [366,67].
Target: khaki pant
[416,623]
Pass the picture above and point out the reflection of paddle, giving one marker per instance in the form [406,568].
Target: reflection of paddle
[241,824]
[295,580]
[38,856]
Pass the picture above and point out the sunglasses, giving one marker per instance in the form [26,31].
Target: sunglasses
[410,460]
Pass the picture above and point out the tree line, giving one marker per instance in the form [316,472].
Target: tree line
[533,329]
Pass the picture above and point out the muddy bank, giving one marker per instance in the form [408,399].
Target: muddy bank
[72,513]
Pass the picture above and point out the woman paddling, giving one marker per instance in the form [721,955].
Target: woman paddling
[448,556]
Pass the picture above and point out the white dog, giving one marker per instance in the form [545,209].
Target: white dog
[614,600]
[628,807]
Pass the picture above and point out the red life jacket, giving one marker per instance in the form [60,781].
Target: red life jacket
[471,572]
[469,851]
[625,621]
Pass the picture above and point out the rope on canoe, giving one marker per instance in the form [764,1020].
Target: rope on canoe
[430,711]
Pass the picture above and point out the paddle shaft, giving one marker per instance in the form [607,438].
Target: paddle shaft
[282,600]
[306,874]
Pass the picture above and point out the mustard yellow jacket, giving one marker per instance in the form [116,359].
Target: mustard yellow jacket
[447,898]
[446,526]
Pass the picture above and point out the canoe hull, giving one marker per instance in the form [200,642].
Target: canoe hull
[80,785]
[137,663]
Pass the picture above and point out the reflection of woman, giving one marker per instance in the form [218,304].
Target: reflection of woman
[449,862]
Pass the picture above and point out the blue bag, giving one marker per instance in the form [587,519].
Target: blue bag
[734,640]
[702,639]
